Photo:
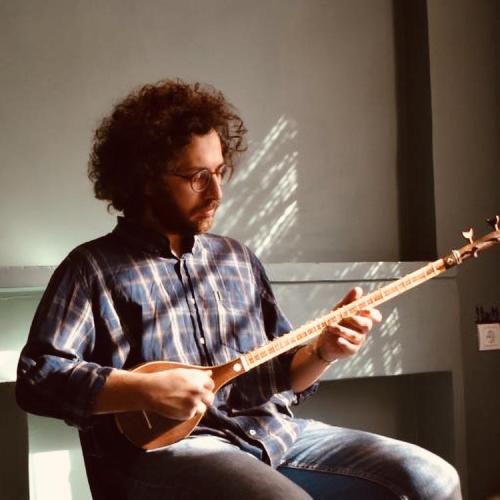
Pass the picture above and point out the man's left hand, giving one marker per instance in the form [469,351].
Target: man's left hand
[344,339]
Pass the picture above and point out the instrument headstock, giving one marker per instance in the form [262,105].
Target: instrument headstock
[474,246]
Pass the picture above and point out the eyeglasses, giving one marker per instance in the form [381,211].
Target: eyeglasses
[201,179]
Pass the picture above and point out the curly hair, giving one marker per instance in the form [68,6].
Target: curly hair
[138,142]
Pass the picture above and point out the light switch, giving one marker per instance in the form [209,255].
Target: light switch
[489,336]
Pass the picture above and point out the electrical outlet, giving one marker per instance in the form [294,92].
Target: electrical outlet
[489,336]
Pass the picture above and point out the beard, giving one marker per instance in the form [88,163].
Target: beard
[171,219]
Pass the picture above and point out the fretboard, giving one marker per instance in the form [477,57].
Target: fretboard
[311,330]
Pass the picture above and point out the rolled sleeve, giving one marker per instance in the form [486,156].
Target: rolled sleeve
[53,377]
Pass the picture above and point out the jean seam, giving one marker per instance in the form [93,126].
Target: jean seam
[345,471]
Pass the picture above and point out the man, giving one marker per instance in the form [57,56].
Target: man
[159,287]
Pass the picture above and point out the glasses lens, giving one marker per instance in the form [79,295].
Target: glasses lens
[200,180]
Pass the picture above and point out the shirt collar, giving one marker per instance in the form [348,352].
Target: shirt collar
[143,238]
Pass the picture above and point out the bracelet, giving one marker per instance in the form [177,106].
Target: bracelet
[317,353]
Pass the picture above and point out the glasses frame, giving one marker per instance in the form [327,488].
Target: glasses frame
[224,178]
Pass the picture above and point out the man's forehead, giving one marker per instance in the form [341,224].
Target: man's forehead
[187,168]
[202,152]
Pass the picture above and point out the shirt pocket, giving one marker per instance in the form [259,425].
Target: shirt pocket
[236,323]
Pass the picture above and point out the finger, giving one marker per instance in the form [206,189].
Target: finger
[348,334]
[361,324]
[346,346]
[352,295]
[200,372]
[198,408]
[201,408]
[198,391]
[209,384]
[374,314]
[208,398]
[203,380]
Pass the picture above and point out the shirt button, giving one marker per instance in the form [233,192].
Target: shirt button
[202,341]
[252,432]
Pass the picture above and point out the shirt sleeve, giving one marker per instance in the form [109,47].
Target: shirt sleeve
[277,324]
[53,377]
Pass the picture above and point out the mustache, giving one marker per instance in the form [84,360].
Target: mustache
[211,205]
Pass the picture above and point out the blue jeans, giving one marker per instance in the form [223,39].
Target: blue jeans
[324,463]
[333,462]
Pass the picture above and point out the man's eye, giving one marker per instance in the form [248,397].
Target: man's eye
[202,174]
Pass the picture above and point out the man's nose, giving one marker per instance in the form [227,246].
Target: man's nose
[214,189]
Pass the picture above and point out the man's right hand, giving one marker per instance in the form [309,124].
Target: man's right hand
[178,393]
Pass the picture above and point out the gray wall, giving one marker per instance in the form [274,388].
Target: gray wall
[315,81]
[465,77]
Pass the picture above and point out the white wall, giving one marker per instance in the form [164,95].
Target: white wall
[313,79]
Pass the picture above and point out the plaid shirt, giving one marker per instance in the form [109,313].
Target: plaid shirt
[124,299]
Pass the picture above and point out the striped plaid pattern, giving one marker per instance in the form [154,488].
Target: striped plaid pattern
[124,299]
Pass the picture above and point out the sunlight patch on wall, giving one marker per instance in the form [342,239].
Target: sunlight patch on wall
[8,365]
[373,271]
[260,206]
[391,346]
[48,470]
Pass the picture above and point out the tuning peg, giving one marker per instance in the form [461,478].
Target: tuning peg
[494,221]
[469,235]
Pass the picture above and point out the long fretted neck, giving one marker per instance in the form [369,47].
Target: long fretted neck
[311,330]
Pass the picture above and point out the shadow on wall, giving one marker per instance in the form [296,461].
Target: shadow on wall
[260,204]
[14,449]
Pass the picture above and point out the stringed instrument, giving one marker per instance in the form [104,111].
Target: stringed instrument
[149,430]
